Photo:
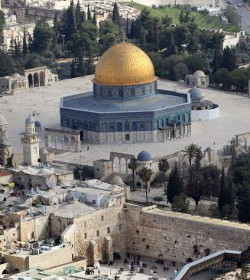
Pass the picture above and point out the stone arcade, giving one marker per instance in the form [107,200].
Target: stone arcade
[125,105]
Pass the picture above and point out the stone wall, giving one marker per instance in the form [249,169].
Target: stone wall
[174,236]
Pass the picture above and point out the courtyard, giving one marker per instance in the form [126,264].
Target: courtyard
[44,103]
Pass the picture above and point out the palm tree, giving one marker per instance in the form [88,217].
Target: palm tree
[3,149]
[190,152]
[145,174]
[133,164]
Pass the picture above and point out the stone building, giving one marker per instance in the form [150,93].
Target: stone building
[12,84]
[5,149]
[125,105]
[33,177]
[40,76]
[198,79]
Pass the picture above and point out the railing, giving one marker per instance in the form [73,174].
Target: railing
[197,266]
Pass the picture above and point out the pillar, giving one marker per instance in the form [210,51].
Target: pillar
[120,165]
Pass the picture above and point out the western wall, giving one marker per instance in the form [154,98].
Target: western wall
[175,236]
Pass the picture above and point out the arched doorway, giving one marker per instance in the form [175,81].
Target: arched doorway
[30,79]
[42,79]
[36,80]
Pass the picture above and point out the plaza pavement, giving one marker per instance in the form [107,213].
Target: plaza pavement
[234,119]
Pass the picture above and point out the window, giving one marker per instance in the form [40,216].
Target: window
[147,247]
[102,218]
[93,201]
[127,137]
[97,233]
[108,230]
[85,235]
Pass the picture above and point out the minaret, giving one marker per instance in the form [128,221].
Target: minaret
[30,142]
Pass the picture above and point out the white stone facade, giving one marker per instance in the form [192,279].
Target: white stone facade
[12,84]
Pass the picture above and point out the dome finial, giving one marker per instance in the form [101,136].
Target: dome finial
[123,38]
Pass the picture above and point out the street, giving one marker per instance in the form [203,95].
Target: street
[241,11]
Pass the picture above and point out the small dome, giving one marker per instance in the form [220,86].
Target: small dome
[198,74]
[144,156]
[37,124]
[29,120]
[114,179]
[2,120]
[44,151]
[195,93]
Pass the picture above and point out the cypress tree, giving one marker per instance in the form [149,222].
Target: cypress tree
[222,201]
[70,27]
[116,15]
[25,46]
[73,69]
[175,185]
[12,46]
[89,17]
[94,19]
[78,15]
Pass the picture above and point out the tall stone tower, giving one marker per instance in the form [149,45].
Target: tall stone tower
[30,142]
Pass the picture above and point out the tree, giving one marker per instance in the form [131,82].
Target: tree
[109,34]
[244,203]
[79,15]
[89,17]
[73,69]
[175,184]
[133,164]
[229,59]
[145,174]
[2,23]
[222,76]
[42,37]
[6,65]
[211,179]
[116,15]
[25,46]
[195,183]
[94,19]
[222,201]
[180,203]
[163,165]
[190,152]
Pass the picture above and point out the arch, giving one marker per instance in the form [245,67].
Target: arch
[123,165]
[119,126]
[52,140]
[72,144]
[36,80]
[1,161]
[42,78]
[66,142]
[134,126]
[116,164]
[30,79]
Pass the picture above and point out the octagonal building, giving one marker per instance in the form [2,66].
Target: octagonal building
[125,105]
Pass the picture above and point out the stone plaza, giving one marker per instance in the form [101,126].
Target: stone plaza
[43,104]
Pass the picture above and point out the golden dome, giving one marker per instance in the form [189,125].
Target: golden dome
[123,65]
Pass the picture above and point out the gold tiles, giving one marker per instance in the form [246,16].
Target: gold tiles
[123,65]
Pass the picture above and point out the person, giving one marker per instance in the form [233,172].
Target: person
[151,272]
[129,267]
[88,148]
[138,269]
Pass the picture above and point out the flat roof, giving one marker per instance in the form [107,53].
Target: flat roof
[71,210]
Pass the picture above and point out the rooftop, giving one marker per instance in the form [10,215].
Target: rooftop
[86,102]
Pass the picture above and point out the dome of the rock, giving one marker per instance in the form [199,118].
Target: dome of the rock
[123,65]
